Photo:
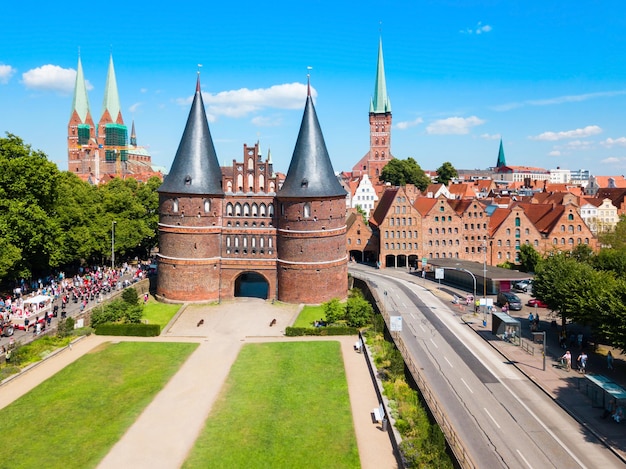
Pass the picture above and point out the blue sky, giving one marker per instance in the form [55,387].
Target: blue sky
[547,77]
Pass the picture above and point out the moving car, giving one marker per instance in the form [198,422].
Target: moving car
[536,302]
[504,297]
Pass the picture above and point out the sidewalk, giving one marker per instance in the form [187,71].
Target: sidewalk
[566,388]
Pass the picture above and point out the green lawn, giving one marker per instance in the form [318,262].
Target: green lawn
[159,313]
[285,404]
[309,315]
[76,416]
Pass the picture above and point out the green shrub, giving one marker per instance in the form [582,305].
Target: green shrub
[320,331]
[135,330]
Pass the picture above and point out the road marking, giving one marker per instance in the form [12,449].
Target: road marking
[523,458]
[423,328]
[448,362]
[467,386]
[431,339]
[413,315]
[490,416]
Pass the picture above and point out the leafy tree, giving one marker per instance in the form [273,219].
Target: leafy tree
[582,253]
[402,172]
[446,172]
[359,311]
[334,311]
[615,239]
[28,196]
[529,258]
[611,259]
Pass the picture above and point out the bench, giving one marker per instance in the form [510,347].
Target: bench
[376,415]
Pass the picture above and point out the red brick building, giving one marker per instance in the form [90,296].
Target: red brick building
[227,232]
[99,154]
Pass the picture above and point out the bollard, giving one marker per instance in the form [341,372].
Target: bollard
[384,424]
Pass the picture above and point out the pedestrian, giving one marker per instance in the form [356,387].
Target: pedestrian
[582,362]
[530,320]
[567,360]
[609,360]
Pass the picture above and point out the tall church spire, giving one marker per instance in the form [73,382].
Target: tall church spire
[380,103]
[111,100]
[80,103]
[501,159]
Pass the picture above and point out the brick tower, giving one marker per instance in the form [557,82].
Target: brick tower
[312,264]
[379,153]
[190,215]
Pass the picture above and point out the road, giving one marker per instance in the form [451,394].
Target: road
[503,419]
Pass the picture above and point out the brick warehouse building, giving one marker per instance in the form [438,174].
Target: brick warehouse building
[222,232]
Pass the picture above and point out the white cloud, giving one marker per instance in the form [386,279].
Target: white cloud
[6,72]
[453,125]
[576,98]
[242,102]
[491,136]
[479,29]
[134,107]
[50,78]
[579,145]
[264,121]
[406,124]
[610,142]
[554,153]
[611,160]
[577,133]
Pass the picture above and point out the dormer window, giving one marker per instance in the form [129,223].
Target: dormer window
[188,180]
[304,183]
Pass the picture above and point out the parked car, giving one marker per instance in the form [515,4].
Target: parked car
[525,286]
[504,297]
[536,302]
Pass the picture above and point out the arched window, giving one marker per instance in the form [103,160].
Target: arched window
[246,210]
[237,209]
[570,217]
[207,205]
[229,186]
[307,210]
[251,182]
[175,205]
[229,209]
[517,221]
[239,182]
[255,210]
[261,182]
[262,210]
[270,210]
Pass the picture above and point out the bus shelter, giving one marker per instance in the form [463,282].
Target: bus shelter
[505,327]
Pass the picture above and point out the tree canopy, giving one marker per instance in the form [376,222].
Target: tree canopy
[402,172]
[446,172]
[51,219]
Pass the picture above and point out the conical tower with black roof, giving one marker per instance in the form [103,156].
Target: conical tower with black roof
[312,261]
[190,215]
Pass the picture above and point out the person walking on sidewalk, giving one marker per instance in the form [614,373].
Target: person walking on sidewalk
[582,362]
[567,360]
[609,360]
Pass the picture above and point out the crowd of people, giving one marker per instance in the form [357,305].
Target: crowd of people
[56,292]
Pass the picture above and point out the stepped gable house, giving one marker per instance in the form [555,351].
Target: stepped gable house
[225,232]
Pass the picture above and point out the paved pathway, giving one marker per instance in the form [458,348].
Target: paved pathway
[165,432]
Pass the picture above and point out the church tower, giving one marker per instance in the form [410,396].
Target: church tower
[112,132]
[312,264]
[190,215]
[81,131]
[379,153]
[501,159]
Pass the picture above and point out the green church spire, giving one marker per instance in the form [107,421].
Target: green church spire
[501,159]
[111,100]
[380,103]
[80,103]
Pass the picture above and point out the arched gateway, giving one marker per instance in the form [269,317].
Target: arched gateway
[251,285]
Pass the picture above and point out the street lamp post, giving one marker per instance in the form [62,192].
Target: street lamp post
[485,283]
[113,244]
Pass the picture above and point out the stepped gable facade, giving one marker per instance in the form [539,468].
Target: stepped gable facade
[224,229]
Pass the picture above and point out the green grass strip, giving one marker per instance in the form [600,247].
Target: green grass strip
[309,315]
[159,313]
[74,418]
[285,405]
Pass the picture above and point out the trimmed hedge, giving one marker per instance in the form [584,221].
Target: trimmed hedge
[135,329]
[327,330]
